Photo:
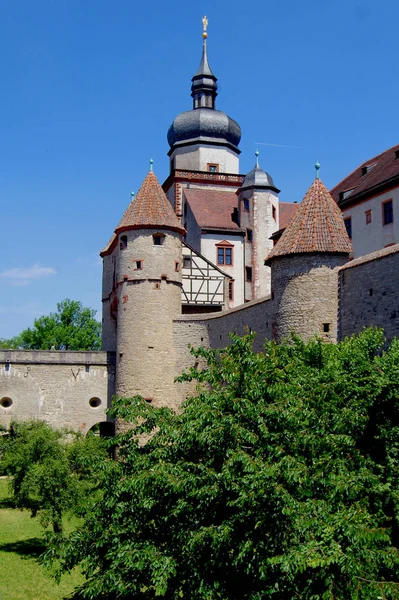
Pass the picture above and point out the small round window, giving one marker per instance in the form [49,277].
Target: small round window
[94,402]
[5,402]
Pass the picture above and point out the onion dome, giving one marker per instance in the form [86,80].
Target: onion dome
[204,123]
[317,226]
[258,178]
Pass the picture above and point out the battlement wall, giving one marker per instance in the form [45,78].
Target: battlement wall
[66,389]
[369,293]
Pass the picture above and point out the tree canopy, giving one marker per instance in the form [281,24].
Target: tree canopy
[72,327]
[278,480]
[51,471]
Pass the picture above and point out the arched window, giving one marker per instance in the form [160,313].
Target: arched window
[123,242]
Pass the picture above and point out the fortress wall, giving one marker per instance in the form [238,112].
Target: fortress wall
[369,293]
[213,331]
[56,387]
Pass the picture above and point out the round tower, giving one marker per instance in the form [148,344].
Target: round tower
[304,268]
[148,291]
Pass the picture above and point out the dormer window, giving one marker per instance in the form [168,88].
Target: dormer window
[367,168]
[345,194]
[158,239]
[123,242]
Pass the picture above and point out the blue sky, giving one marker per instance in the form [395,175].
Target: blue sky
[90,87]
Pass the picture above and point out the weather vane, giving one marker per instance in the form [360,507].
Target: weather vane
[205,25]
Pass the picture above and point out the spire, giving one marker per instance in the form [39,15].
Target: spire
[317,226]
[204,86]
[150,209]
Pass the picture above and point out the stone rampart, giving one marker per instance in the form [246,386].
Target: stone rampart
[369,293]
[66,389]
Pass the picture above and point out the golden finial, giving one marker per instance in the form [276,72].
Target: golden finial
[205,25]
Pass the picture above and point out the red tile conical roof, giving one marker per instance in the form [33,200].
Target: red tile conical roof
[150,208]
[317,226]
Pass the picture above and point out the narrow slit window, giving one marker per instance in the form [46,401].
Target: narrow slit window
[158,239]
[139,265]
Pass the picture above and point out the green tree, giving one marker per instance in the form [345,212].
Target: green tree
[51,471]
[278,480]
[72,327]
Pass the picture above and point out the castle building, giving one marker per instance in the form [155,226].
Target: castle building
[229,218]
[193,260]
[369,200]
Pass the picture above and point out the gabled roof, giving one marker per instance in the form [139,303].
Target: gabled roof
[213,208]
[150,208]
[368,178]
[317,226]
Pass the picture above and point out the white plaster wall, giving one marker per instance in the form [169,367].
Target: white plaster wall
[197,157]
[208,249]
[370,237]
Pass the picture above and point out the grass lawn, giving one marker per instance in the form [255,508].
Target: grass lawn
[21,576]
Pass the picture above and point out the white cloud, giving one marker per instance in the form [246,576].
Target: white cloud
[23,276]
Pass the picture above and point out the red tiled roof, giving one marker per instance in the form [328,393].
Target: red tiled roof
[109,246]
[372,256]
[317,226]
[212,208]
[150,208]
[384,171]
[286,212]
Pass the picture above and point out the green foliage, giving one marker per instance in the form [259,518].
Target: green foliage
[51,471]
[72,327]
[278,480]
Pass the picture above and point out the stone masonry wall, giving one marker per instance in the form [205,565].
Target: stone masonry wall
[305,292]
[66,389]
[213,331]
[369,293]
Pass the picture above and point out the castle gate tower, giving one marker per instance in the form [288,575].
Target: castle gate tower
[304,262]
[145,295]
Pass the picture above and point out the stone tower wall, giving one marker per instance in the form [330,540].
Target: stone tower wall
[305,295]
[108,293]
[149,298]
